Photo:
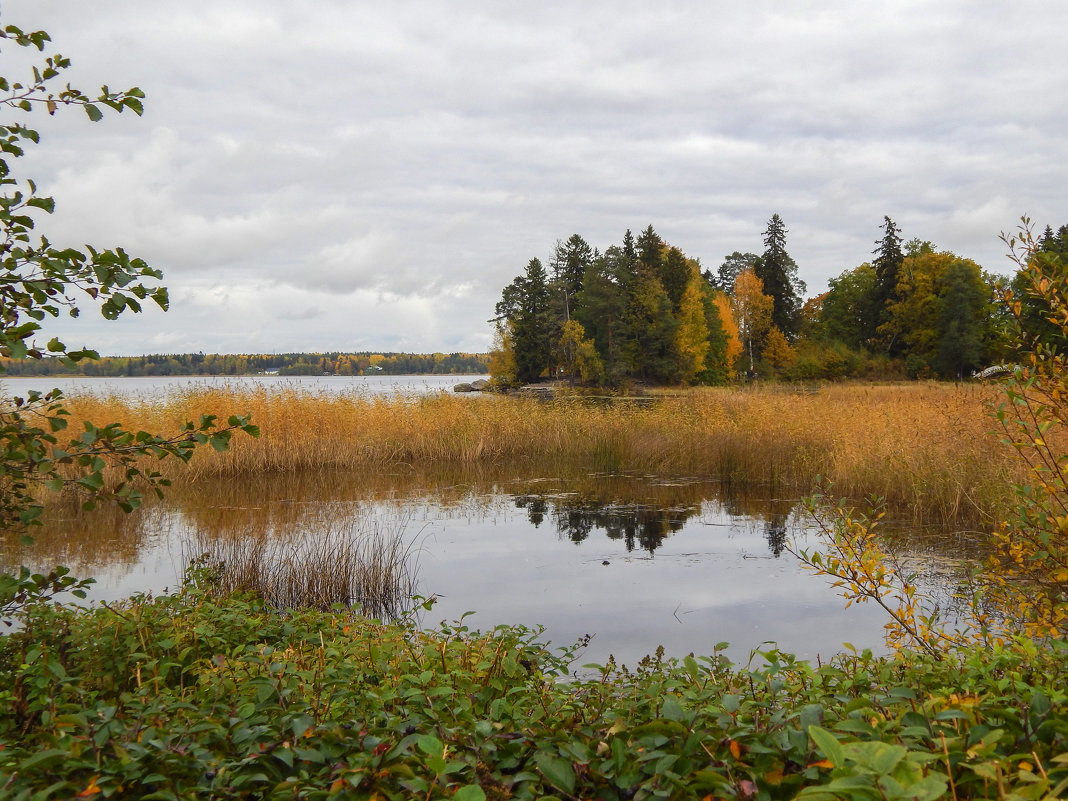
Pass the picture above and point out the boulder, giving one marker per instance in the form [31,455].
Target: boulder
[463,388]
[480,385]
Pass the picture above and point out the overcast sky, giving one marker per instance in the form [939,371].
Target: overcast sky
[351,175]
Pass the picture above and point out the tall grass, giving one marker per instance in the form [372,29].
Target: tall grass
[348,564]
[927,448]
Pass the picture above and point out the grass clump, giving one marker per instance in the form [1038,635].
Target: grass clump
[194,695]
[342,563]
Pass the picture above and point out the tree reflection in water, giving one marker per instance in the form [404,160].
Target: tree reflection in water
[643,526]
[636,525]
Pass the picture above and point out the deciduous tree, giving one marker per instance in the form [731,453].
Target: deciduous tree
[753,312]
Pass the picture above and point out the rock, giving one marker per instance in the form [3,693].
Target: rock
[463,388]
[480,385]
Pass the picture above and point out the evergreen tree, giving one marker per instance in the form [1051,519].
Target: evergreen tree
[600,308]
[525,305]
[778,273]
[675,275]
[570,261]
[650,349]
[965,306]
[887,263]
[649,245]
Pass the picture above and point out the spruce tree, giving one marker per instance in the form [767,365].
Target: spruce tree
[887,263]
[778,273]
[525,305]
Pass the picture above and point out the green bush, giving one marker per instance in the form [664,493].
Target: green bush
[190,696]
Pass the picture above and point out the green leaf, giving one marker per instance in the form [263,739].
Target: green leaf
[470,792]
[46,203]
[93,112]
[827,743]
[559,772]
[430,745]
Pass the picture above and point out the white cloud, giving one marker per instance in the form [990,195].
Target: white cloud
[386,169]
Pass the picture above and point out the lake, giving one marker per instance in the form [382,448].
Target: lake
[637,561]
[150,386]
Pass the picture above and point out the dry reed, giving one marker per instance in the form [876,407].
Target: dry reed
[340,564]
[927,448]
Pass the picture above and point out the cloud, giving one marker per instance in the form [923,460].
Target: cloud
[419,154]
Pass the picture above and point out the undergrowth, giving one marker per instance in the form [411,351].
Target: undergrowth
[196,696]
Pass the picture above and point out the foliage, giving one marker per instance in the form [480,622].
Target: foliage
[887,269]
[193,696]
[577,356]
[644,307]
[39,280]
[778,272]
[1031,558]
[753,312]
[1023,585]
[525,305]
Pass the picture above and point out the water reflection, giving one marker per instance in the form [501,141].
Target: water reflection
[645,526]
[636,560]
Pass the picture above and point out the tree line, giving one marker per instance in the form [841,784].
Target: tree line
[642,310]
[289,364]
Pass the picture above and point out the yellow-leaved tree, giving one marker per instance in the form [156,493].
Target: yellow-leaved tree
[691,337]
[752,313]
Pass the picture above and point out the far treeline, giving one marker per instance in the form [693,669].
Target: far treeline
[644,311]
[287,364]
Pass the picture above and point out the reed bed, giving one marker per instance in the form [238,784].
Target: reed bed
[927,448]
[347,564]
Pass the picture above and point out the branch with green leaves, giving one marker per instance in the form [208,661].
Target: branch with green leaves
[104,464]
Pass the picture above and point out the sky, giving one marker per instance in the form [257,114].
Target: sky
[351,176]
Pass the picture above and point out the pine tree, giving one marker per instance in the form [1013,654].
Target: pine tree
[570,260]
[778,273]
[525,305]
[887,263]
[649,245]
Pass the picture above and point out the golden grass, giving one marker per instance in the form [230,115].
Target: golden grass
[929,448]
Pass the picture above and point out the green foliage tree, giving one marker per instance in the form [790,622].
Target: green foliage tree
[887,265]
[944,315]
[731,266]
[676,272]
[600,306]
[525,304]
[651,349]
[40,280]
[570,261]
[965,303]
[845,309]
[778,273]
[1021,589]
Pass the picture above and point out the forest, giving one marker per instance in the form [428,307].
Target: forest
[291,364]
[644,311]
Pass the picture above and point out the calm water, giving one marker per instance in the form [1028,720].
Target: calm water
[636,561]
[160,386]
